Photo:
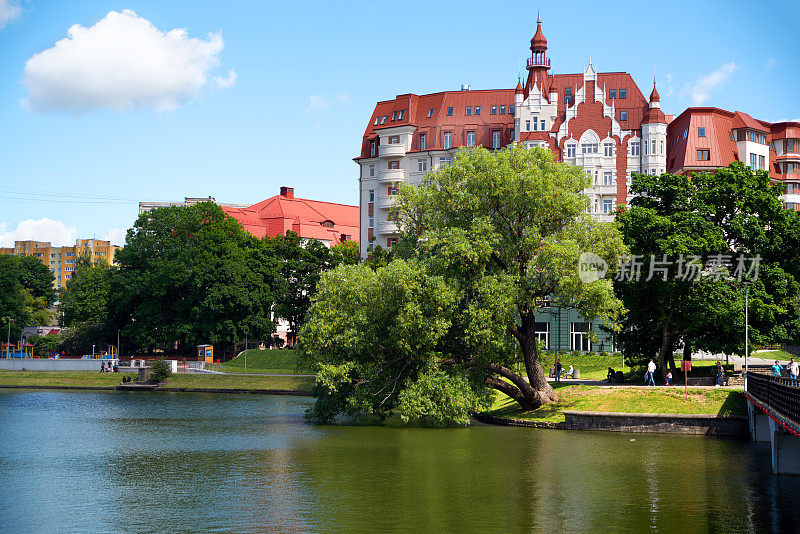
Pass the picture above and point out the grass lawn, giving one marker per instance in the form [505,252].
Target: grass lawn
[61,378]
[772,355]
[277,361]
[238,382]
[627,400]
[591,364]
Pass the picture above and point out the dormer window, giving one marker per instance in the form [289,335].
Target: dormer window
[328,224]
[401,114]
[383,119]
[430,113]
[394,115]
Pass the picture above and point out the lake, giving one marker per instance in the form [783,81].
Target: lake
[189,462]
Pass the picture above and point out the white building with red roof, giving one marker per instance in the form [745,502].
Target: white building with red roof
[599,121]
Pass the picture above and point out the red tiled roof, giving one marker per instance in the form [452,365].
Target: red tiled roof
[538,43]
[654,96]
[743,120]
[278,214]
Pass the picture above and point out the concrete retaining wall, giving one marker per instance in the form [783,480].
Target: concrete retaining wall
[661,423]
[34,364]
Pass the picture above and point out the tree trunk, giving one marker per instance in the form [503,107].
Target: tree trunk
[543,392]
[666,349]
[687,350]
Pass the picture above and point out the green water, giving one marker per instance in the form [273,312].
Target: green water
[182,462]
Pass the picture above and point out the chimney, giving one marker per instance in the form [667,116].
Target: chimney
[287,192]
[465,87]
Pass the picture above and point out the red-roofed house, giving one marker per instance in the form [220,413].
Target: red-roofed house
[311,219]
[600,121]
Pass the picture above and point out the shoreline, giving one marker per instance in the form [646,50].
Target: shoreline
[289,392]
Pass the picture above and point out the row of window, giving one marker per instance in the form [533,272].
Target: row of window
[793,189]
[537,125]
[752,135]
[612,93]
[396,116]
[757,162]
[791,145]
[580,336]
[476,110]
[792,167]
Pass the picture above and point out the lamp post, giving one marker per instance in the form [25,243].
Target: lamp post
[746,328]
[8,339]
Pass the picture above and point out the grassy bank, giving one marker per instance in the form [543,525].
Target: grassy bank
[95,379]
[627,400]
[278,361]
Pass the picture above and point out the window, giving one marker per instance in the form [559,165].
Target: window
[608,206]
[608,178]
[390,242]
[635,148]
[401,114]
[372,148]
[52,263]
[430,113]
[495,138]
[752,161]
[792,145]
[372,222]
[383,119]
[422,142]
[470,138]
[372,171]
[703,155]
[761,162]
[394,164]
[794,206]
[477,110]
[328,224]
[394,139]
[793,168]
[493,110]
[468,110]
[69,269]
[589,148]
[542,333]
[391,190]
[731,134]
[448,140]
[422,165]
[608,149]
[377,120]
[570,151]
[70,261]
[701,131]
[653,146]
[527,126]
[450,111]
[503,110]
[623,93]
[579,336]
[612,94]
[394,115]
[372,196]
[623,115]
[542,125]
[445,161]
[662,146]
[52,255]
[792,189]
[685,133]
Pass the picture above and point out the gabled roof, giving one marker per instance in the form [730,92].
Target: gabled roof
[743,120]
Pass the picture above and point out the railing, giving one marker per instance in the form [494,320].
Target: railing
[778,394]
[538,62]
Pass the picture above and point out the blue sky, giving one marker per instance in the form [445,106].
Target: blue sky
[272,94]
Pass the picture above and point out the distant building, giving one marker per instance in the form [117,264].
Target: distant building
[327,222]
[61,260]
[187,201]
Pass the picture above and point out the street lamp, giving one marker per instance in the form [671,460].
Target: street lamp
[746,328]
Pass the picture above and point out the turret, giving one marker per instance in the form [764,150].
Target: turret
[538,64]
[654,136]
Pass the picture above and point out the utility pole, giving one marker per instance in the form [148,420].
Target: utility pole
[118,343]
[8,340]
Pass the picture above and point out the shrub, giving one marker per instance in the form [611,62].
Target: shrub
[160,370]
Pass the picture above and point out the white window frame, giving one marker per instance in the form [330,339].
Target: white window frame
[580,338]
[448,140]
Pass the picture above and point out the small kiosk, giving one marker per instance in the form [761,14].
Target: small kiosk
[205,353]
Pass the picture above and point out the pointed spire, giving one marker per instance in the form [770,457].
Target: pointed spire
[538,43]
[518,90]
[654,96]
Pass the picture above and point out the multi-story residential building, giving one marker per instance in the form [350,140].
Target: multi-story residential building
[702,139]
[187,201]
[61,260]
[599,121]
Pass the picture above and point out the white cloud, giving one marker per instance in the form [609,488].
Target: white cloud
[700,90]
[317,102]
[56,232]
[227,81]
[9,10]
[122,62]
[769,64]
[116,236]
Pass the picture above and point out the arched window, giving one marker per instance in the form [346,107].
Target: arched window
[328,224]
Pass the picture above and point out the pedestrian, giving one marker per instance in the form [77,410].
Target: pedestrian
[651,369]
[777,368]
[570,372]
[720,375]
[558,370]
[669,378]
[794,370]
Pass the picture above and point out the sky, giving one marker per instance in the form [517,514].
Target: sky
[104,104]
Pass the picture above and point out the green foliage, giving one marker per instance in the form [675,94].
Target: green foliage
[160,370]
[442,399]
[37,278]
[79,339]
[45,345]
[192,275]
[734,211]
[26,291]
[345,253]
[379,257]
[85,296]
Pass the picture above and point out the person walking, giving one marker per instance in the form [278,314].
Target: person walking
[669,378]
[776,369]
[558,370]
[794,370]
[720,375]
[651,369]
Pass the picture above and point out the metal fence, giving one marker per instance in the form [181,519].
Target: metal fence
[776,393]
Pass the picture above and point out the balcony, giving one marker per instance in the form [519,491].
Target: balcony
[602,189]
[538,62]
[788,156]
[603,217]
[392,151]
[387,227]
[391,175]
[385,201]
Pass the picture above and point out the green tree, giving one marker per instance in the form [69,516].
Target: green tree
[26,291]
[191,275]
[712,217]
[345,253]
[37,278]
[494,234]
[85,296]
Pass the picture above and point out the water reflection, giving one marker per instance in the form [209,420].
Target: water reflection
[105,461]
